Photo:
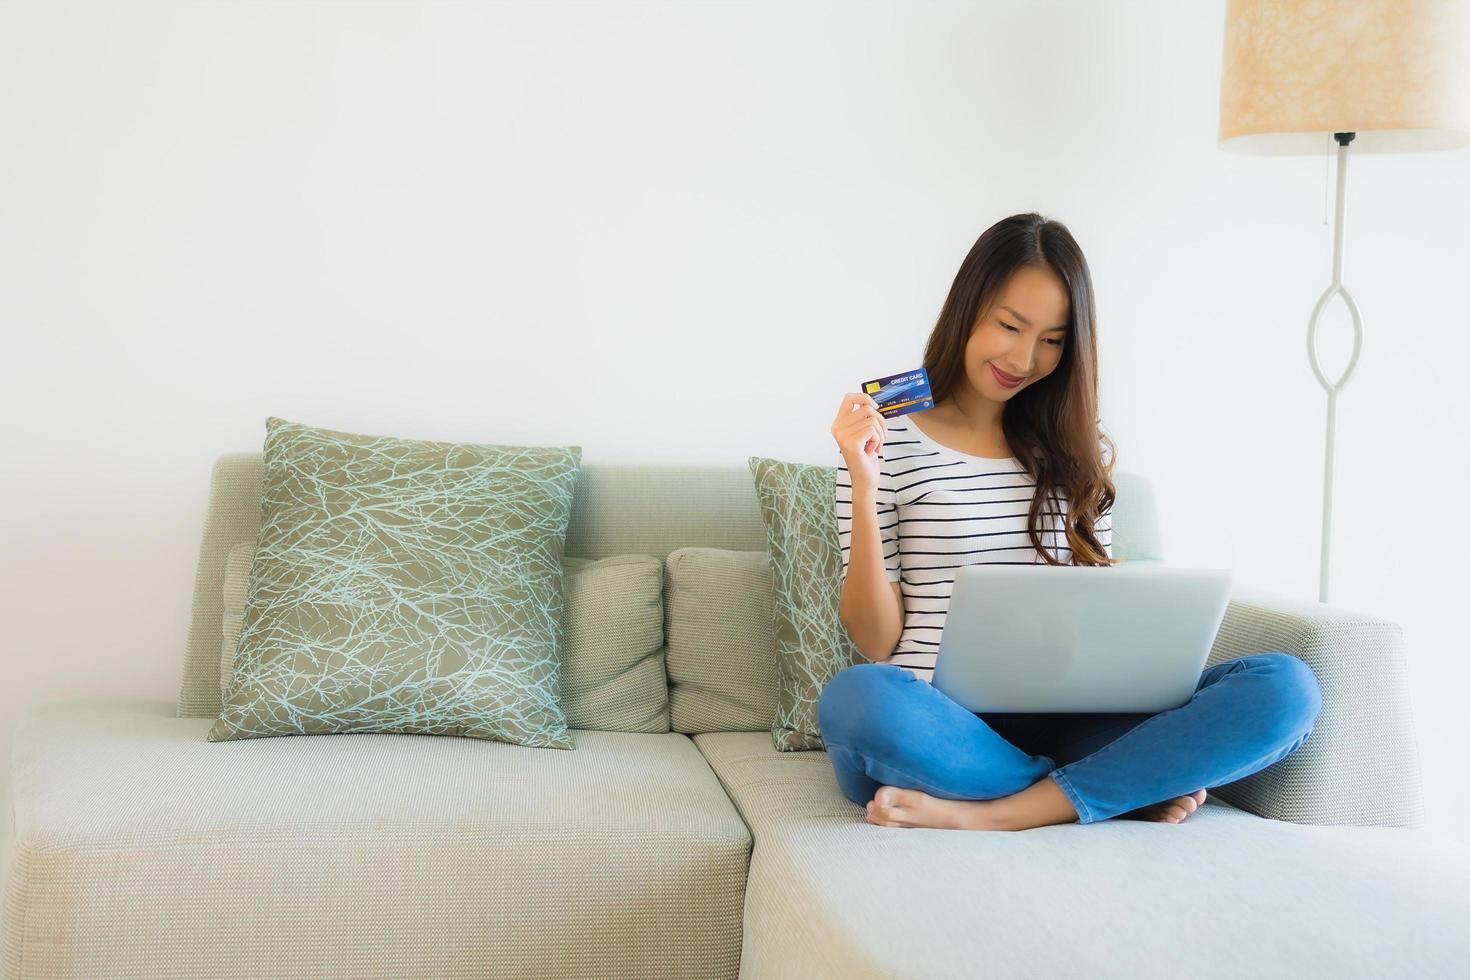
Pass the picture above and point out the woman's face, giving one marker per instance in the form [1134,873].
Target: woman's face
[1003,340]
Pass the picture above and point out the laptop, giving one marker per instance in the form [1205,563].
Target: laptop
[1079,638]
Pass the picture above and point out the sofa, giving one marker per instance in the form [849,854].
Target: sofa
[695,848]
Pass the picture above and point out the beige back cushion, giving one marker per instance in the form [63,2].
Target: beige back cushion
[721,641]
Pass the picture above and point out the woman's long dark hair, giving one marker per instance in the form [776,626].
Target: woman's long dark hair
[1052,426]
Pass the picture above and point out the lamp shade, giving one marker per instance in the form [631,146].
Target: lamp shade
[1395,72]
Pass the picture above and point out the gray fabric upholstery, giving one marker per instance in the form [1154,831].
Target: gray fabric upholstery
[1361,765]
[1225,894]
[140,849]
[146,851]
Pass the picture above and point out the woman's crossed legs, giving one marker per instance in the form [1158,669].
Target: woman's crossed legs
[941,765]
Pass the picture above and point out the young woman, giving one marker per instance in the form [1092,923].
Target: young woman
[1008,466]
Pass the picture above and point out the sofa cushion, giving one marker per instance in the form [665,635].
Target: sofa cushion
[721,642]
[1224,894]
[613,676]
[799,506]
[232,611]
[612,663]
[143,850]
[403,585]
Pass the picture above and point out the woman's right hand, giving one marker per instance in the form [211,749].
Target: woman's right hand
[859,430]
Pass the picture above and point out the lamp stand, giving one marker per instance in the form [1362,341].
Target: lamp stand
[1337,288]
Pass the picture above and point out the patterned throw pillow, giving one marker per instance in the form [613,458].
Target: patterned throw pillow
[404,586]
[612,639]
[798,503]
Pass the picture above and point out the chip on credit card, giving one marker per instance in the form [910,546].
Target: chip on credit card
[900,394]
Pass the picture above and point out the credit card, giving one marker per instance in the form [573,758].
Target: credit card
[900,394]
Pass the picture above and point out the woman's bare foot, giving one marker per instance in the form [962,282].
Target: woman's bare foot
[1038,805]
[1169,811]
[893,806]
[897,807]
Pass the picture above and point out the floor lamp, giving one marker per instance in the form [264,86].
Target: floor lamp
[1386,76]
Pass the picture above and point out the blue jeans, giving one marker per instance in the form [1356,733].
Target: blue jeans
[882,725]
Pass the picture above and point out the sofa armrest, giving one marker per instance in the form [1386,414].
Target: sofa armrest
[1360,765]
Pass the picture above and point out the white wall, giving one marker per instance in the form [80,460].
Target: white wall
[402,219]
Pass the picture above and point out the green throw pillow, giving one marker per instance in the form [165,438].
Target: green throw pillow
[799,504]
[404,586]
[612,639]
